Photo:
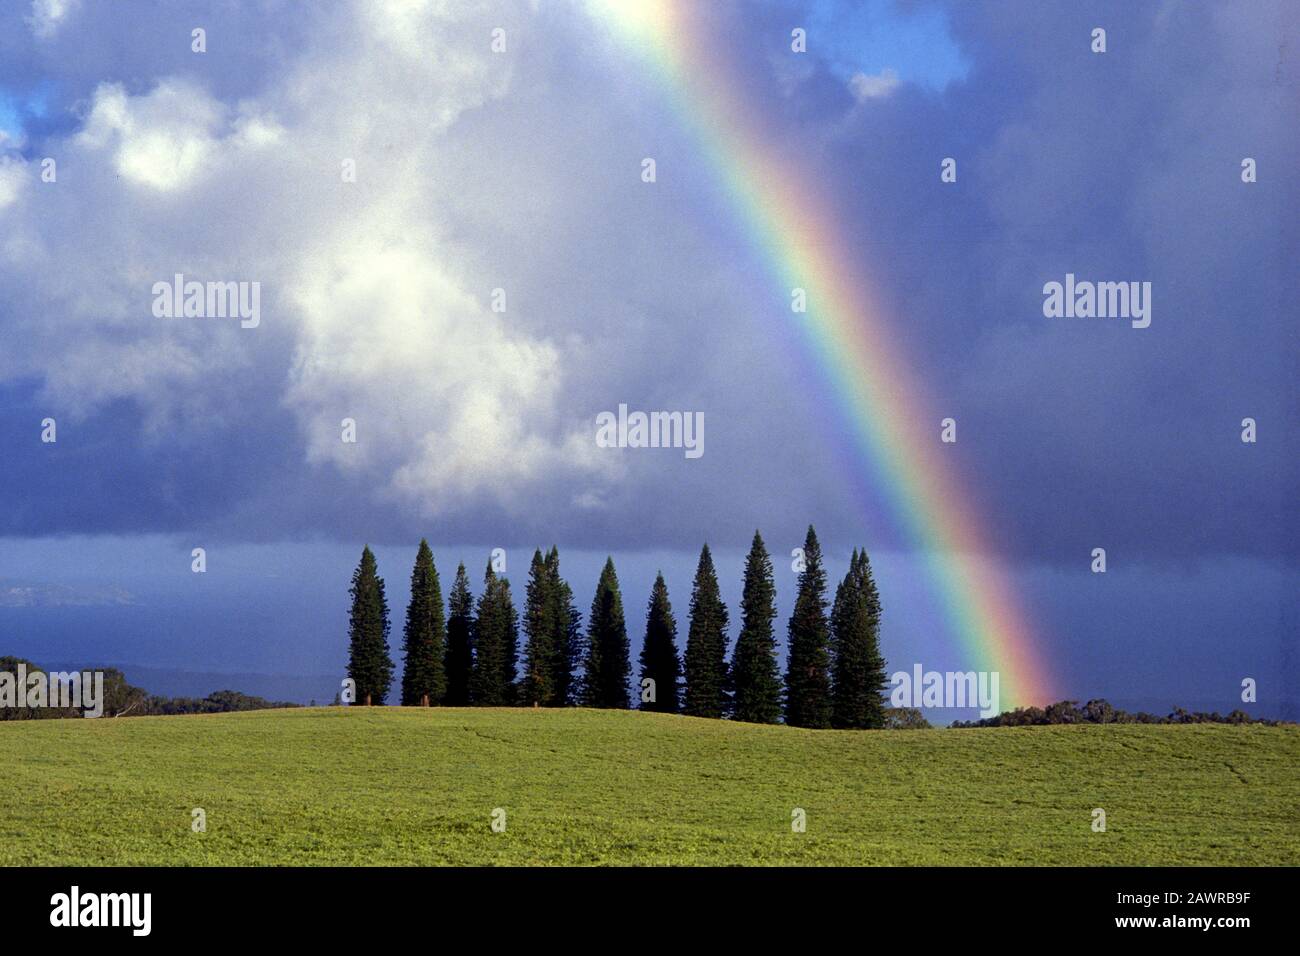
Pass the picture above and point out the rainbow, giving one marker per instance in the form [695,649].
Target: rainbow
[795,229]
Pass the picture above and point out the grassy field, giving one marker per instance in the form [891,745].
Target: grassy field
[395,786]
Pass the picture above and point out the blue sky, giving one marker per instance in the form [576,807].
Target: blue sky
[520,171]
[913,41]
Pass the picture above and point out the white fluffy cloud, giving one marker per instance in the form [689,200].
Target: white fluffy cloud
[12,174]
[48,15]
[371,307]
[871,86]
[167,137]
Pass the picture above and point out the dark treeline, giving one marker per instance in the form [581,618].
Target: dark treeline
[469,653]
[122,699]
[1101,712]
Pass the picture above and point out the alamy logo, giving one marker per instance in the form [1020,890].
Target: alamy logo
[1100,300]
[922,688]
[60,689]
[102,909]
[208,300]
[651,430]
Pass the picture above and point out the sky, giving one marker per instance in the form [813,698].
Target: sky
[521,170]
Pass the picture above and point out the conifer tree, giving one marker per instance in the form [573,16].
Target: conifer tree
[424,675]
[488,654]
[460,644]
[807,679]
[608,666]
[537,685]
[496,644]
[659,660]
[567,642]
[369,665]
[755,679]
[859,674]
[877,668]
[706,644]
[509,642]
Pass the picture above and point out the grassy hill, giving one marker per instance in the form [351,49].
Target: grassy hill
[395,786]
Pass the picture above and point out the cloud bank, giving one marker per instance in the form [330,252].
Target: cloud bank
[456,253]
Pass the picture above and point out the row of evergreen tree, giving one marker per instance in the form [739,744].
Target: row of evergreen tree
[835,674]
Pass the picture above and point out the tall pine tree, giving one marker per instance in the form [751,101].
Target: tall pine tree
[460,640]
[566,645]
[608,667]
[859,675]
[424,675]
[496,644]
[509,641]
[537,685]
[706,644]
[369,665]
[659,660]
[807,678]
[755,679]
[877,668]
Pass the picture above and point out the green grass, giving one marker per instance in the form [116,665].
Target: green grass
[409,786]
